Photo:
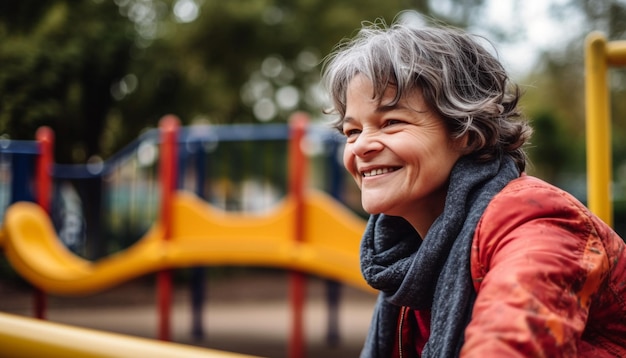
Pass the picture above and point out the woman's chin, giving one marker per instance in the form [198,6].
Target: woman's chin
[373,208]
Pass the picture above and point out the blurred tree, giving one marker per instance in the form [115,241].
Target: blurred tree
[608,16]
[558,85]
[243,61]
[98,72]
[58,60]
[551,156]
[554,103]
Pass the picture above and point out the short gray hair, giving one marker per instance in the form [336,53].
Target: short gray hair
[459,79]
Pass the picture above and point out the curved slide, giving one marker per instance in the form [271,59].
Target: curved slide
[201,235]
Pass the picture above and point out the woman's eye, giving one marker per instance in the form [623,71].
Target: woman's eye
[391,122]
[351,132]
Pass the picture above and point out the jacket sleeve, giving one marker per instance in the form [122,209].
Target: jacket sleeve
[537,262]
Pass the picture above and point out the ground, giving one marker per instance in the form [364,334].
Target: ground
[245,311]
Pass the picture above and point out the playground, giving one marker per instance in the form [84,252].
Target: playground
[305,234]
[162,259]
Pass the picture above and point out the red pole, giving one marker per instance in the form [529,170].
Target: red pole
[297,175]
[168,165]
[45,138]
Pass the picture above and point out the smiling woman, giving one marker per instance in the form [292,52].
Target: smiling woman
[461,243]
[400,155]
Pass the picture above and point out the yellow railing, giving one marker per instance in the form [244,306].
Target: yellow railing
[29,337]
[600,54]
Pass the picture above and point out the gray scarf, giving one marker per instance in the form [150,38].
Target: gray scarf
[434,273]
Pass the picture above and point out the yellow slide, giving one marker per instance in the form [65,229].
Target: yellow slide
[201,235]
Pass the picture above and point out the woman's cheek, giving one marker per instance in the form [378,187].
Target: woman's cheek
[349,163]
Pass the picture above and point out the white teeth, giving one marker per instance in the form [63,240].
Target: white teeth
[379,171]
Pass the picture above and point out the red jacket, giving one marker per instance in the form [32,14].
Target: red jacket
[550,278]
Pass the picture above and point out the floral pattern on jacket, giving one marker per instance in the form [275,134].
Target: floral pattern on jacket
[550,278]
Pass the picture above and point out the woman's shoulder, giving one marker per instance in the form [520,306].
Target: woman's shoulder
[527,186]
[530,213]
[528,198]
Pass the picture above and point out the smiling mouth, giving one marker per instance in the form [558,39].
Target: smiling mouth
[378,171]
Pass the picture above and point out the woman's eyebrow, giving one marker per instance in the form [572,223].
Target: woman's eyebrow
[347,120]
[388,107]
[402,107]
[384,108]
[380,109]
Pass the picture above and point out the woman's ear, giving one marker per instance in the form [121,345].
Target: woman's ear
[462,144]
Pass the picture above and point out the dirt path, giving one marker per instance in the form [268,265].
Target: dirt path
[244,312]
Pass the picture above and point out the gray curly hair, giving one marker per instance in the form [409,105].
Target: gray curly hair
[458,77]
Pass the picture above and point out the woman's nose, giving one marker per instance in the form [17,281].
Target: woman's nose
[366,144]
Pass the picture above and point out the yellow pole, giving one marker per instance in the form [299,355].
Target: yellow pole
[616,53]
[29,337]
[598,125]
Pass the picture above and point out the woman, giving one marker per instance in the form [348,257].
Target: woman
[472,256]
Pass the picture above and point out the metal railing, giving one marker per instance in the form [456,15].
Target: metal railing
[600,54]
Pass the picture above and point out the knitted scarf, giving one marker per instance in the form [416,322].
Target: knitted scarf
[433,273]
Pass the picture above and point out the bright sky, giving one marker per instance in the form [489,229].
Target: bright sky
[541,31]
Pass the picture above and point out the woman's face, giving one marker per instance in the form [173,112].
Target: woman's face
[400,156]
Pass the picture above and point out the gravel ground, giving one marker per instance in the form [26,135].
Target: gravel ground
[245,311]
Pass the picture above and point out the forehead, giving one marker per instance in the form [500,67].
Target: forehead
[362,90]
[378,87]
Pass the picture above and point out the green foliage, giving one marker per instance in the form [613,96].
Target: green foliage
[558,90]
[210,60]
[552,155]
[57,67]
[98,72]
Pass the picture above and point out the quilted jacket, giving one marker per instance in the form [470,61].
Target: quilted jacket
[550,278]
